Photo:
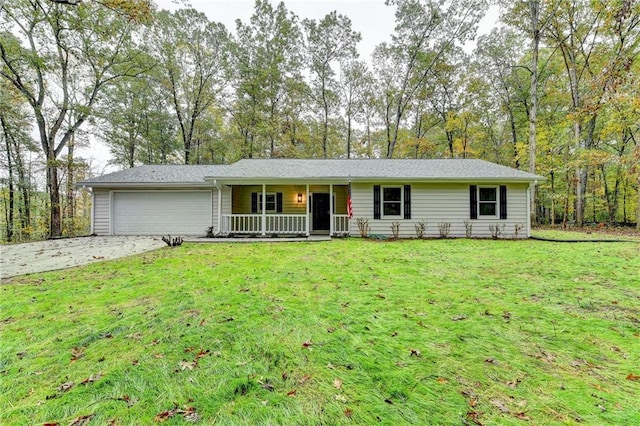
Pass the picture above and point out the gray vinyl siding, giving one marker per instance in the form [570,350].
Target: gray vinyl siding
[441,203]
[101,209]
[226,199]
[226,205]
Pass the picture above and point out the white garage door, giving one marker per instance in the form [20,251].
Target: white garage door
[162,213]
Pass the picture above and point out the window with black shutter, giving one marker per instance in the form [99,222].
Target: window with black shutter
[407,201]
[473,202]
[376,201]
[503,201]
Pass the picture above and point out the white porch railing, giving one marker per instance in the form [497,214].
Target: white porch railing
[241,224]
[286,224]
[340,224]
[275,224]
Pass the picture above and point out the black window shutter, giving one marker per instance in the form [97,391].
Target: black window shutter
[279,202]
[376,201]
[473,202]
[503,201]
[254,202]
[407,201]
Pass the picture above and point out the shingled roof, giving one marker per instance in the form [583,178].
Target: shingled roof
[294,169]
[366,169]
[156,174]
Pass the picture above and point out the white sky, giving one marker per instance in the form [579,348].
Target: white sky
[371,18]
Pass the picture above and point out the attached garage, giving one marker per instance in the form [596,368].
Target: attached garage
[161,212]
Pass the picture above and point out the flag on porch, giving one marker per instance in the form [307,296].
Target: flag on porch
[349,206]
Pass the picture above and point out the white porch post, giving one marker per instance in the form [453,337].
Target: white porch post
[331,210]
[264,209]
[308,210]
[220,208]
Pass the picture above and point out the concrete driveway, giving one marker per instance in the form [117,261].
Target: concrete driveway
[50,255]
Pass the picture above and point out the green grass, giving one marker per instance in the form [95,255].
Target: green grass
[587,234]
[340,332]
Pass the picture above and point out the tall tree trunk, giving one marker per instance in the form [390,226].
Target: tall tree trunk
[534,6]
[70,196]
[325,124]
[349,135]
[53,187]
[9,210]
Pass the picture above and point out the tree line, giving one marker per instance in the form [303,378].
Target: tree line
[553,89]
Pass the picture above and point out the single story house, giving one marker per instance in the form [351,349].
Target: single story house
[264,197]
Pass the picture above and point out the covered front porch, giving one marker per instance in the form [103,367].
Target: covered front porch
[286,210]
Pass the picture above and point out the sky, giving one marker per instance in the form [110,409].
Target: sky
[371,18]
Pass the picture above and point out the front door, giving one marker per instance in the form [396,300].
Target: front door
[321,212]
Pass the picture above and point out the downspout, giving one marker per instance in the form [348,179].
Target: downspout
[330,210]
[219,188]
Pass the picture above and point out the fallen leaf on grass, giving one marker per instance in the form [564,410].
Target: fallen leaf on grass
[184,365]
[337,383]
[499,405]
[632,377]
[459,318]
[474,416]
[415,352]
[82,420]
[158,355]
[266,385]
[522,416]
[134,336]
[190,414]
[201,354]
[307,344]
[165,415]
[304,379]
[92,378]
[490,361]
[381,296]
[76,354]
[292,392]
[65,386]
[348,412]
[51,424]
[442,380]
[126,398]
[340,398]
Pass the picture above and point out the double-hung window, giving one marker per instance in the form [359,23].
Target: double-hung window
[392,201]
[487,201]
[271,206]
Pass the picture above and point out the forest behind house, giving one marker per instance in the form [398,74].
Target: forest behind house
[553,89]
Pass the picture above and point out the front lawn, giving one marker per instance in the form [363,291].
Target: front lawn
[338,332]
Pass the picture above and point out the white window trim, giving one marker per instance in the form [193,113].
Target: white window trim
[497,202]
[382,202]
[275,202]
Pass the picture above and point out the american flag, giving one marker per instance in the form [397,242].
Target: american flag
[349,206]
